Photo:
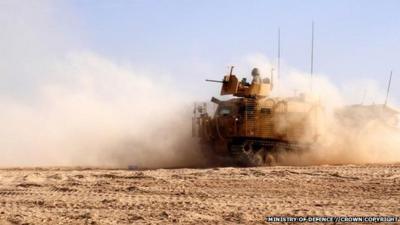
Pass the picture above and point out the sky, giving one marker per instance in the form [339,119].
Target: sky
[187,41]
[352,37]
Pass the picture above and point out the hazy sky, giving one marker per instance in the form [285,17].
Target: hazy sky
[192,40]
[360,38]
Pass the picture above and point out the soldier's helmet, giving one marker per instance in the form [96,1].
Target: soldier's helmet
[255,72]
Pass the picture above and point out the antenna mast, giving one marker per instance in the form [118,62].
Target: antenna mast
[272,78]
[312,56]
[388,88]
[279,53]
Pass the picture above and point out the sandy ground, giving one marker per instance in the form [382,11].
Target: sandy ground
[195,196]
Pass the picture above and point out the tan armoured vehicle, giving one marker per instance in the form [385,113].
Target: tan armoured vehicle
[253,128]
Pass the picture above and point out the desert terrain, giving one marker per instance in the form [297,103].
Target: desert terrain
[195,196]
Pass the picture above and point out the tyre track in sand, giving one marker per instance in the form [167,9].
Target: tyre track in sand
[195,196]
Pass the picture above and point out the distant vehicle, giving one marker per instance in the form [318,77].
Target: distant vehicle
[252,129]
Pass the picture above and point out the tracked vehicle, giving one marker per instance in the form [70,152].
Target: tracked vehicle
[252,128]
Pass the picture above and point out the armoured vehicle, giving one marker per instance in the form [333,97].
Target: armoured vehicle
[252,128]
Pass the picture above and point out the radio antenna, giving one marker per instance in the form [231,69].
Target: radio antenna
[279,54]
[388,88]
[272,78]
[312,56]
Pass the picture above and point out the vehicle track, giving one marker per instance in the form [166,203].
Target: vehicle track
[195,196]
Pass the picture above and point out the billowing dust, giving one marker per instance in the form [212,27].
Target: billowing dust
[350,133]
[106,115]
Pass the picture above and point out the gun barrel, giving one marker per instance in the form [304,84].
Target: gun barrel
[216,81]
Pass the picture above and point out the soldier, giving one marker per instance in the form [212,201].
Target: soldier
[256,76]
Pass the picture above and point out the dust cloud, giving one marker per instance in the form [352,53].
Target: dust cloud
[104,115]
[357,134]
[350,132]
[62,104]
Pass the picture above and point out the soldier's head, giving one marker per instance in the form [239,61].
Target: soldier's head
[255,72]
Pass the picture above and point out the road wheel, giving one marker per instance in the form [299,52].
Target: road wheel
[270,159]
